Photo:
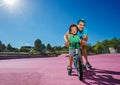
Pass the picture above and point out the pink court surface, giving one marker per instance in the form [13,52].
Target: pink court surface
[52,71]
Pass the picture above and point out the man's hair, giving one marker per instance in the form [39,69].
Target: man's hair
[73,25]
[81,20]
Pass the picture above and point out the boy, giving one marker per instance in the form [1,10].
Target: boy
[72,37]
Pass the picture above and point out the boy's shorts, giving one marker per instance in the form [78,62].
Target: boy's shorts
[72,51]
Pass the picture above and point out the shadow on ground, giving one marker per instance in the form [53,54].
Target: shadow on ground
[101,77]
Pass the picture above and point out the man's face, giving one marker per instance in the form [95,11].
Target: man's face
[81,26]
[73,30]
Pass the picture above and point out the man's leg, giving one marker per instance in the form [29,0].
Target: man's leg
[81,57]
[85,56]
[85,53]
[83,66]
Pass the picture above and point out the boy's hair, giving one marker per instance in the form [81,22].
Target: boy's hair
[73,25]
[81,20]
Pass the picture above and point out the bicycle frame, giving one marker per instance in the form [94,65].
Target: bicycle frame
[78,62]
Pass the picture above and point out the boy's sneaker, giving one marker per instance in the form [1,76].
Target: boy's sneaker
[88,65]
[69,70]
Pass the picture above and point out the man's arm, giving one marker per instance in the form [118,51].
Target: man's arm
[84,41]
[85,37]
[66,38]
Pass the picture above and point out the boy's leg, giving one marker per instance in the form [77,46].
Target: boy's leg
[71,61]
[71,54]
[69,68]
[71,51]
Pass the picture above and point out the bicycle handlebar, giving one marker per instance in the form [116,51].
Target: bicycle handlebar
[74,44]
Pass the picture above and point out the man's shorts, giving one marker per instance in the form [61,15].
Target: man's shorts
[72,52]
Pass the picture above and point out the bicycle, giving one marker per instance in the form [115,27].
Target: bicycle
[77,62]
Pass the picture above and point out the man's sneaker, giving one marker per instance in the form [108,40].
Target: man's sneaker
[88,65]
[83,67]
[69,70]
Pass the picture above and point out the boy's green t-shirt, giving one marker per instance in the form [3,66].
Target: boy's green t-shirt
[74,39]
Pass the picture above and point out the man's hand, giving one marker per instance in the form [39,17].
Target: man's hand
[83,43]
[67,44]
[66,39]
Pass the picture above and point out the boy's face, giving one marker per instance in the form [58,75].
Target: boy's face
[81,26]
[73,30]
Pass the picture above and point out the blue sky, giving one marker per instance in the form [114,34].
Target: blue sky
[48,20]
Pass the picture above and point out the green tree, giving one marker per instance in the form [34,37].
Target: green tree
[15,50]
[38,45]
[49,47]
[89,48]
[118,48]
[95,48]
[115,42]
[103,47]
[9,47]
[43,48]
[98,48]
[1,46]
[22,49]
[106,45]
[57,49]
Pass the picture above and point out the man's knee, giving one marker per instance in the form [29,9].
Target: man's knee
[83,48]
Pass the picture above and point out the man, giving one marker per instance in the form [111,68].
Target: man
[82,33]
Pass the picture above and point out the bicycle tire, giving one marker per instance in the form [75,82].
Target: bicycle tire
[80,76]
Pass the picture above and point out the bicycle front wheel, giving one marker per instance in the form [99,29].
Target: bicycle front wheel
[80,71]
